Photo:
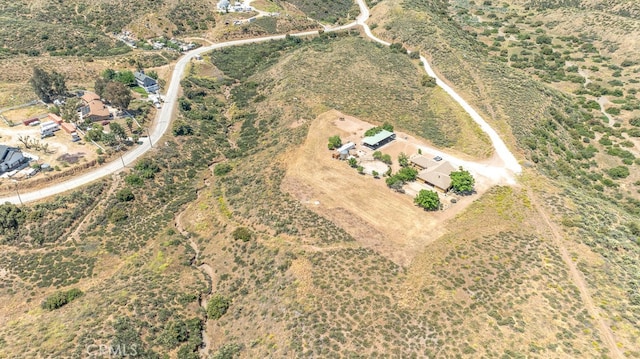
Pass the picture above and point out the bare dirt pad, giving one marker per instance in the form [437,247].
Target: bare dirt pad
[377,217]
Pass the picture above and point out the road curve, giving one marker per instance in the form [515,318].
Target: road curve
[161,124]
[509,160]
[163,118]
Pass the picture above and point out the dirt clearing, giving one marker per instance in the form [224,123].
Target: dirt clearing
[377,217]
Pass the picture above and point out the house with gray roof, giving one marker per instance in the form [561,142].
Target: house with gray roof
[11,158]
[147,83]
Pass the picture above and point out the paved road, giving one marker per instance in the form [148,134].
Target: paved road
[164,117]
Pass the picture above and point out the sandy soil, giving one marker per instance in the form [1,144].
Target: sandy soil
[377,217]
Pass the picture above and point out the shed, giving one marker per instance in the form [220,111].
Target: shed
[68,127]
[346,147]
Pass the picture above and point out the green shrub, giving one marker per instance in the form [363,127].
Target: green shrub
[618,172]
[242,233]
[125,195]
[222,169]
[217,306]
[59,299]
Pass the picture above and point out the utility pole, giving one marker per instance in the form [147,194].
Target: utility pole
[18,193]
[149,135]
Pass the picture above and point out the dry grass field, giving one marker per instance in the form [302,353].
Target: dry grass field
[244,205]
[377,217]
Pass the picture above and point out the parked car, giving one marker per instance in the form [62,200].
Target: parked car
[437,158]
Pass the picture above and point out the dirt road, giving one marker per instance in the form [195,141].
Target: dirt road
[576,276]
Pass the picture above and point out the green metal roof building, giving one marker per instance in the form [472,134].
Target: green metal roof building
[381,138]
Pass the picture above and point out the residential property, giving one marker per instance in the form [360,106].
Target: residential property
[434,173]
[11,158]
[381,138]
[93,109]
[147,83]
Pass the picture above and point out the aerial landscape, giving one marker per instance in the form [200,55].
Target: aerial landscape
[320,179]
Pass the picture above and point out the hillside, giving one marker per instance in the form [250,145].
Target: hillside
[240,237]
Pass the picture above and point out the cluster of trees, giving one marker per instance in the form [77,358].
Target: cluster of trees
[377,155]
[375,130]
[217,306]
[48,86]
[428,200]
[334,142]
[59,299]
[11,217]
[116,136]
[404,175]
[114,91]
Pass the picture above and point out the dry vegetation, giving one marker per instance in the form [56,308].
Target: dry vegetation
[309,282]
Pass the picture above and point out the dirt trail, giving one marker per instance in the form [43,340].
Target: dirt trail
[100,206]
[576,276]
[205,269]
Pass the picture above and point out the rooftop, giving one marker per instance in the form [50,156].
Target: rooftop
[437,173]
[346,147]
[380,136]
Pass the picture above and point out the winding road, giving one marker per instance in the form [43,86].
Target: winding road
[164,117]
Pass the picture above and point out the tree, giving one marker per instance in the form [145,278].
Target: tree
[353,162]
[403,159]
[59,84]
[387,126]
[118,131]
[394,182]
[428,200]
[125,77]
[386,158]
[129,122]
[118,94]
[462,181]
[182,129]
[217,306]
[99,86]
[94,134]
[41,83]
[109,139]
[69,111]
[360,170]
[407,174]
[109,74]
[375,174]
[377,155]
[334,142]
[11,217]
[153,75]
